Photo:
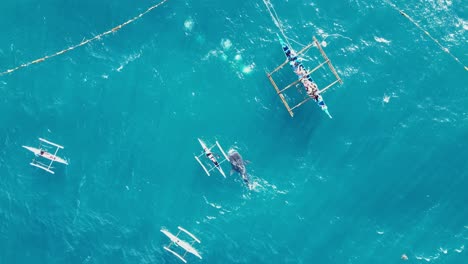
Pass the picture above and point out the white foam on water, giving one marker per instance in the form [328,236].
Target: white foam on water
[212,204]
[127,60]
[465,25]
[248,68]
[211,53]
[188,24]
[261,185]
[259,101]
[427,259]
[459,250]
[382,40]
[226,44]
[215,53]
[445,251]
[386,99]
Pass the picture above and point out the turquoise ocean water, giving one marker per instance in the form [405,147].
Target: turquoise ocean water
[385,177]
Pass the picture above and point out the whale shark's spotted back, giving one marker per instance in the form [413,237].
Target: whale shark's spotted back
[238,164]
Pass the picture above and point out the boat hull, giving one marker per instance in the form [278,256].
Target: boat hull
[291,55]
[206,150]
[46,155]
[183,244]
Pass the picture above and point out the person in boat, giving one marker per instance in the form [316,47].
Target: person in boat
[307,83]
[294,64]
[301,71]
[316,95]
[42,152]
[311,88]
[298,68]
[315,89]
[212,158]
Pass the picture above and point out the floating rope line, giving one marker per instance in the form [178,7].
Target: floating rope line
[276,19]
[279,25]
[427,33]
[84,42]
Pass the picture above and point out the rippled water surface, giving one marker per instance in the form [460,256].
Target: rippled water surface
[385,177]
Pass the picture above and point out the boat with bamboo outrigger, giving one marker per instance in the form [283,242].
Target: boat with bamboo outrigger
[47,151]
[305,76]
[178,242]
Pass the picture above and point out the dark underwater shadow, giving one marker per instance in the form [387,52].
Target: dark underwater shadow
[293,134]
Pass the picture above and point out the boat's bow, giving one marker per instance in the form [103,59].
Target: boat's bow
[36,151]
[203,145]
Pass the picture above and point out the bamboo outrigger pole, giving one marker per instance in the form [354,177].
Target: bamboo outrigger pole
[330,65]
[280,95]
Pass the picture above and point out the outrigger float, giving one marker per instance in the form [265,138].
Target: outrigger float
[304,75]
[187,246]
[42,152]
[209,154]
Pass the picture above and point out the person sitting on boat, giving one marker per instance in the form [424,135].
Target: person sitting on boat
[42,152]
[311,88]
[295,64]
[302,71]
[315,88]
[212,158]
[307,83]
[319,99]
[297,71]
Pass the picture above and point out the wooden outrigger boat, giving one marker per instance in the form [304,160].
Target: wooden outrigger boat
[209,154]
[304,75]
[186,246]
[43,153]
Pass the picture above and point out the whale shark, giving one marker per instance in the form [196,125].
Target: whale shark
[238,165]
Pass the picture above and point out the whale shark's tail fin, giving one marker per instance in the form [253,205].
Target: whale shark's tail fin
[248,182]
[246,178]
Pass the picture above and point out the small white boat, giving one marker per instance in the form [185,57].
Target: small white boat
[47,155]
[43,153]
[209,154]
[175,240]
